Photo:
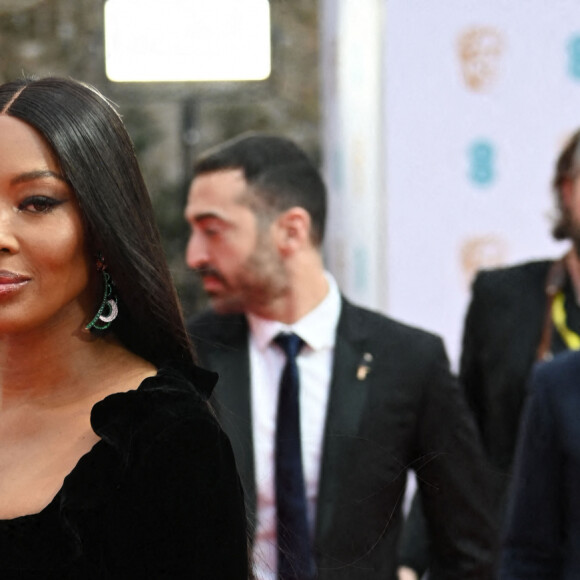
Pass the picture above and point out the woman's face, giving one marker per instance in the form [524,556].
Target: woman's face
[46,277]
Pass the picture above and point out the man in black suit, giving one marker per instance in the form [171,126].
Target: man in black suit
[519,315]
[376,397]
[542,538]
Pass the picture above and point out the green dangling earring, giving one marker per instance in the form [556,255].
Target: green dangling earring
[108,310]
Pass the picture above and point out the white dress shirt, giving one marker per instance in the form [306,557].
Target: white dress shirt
[318,330]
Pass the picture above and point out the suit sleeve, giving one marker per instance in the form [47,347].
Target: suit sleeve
[533,538]
[453,480]
[414,545]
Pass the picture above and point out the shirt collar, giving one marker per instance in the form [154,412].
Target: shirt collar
[317,328]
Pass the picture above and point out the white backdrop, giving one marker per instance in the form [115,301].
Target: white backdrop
[475,101]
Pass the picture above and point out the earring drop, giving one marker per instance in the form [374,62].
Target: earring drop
[108,310]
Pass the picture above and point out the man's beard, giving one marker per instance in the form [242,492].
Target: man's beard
[260,280]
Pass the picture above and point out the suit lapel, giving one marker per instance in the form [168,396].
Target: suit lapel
[348,396]
[229,356]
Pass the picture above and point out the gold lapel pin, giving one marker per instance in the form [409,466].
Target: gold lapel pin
[364,368]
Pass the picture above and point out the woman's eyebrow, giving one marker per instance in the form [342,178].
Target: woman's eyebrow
[38,174]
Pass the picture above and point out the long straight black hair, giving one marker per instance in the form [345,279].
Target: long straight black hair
[97,159]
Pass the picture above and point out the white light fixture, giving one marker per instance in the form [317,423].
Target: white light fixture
[187,40]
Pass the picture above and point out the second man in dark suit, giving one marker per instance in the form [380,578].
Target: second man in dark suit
[376,397]
[519,315]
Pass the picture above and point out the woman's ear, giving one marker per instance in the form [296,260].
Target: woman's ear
[293,229]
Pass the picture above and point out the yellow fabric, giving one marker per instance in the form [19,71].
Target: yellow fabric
[571,339]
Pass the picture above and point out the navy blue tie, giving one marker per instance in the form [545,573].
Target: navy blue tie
[295,561]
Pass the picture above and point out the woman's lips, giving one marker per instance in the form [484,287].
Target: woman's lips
[11,282]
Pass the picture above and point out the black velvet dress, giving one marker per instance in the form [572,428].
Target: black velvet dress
[157,497]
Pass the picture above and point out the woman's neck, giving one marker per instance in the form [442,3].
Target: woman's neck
[53,373]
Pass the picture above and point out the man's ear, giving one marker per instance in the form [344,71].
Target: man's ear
[293,229]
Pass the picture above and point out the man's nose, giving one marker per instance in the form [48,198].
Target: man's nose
[196,252]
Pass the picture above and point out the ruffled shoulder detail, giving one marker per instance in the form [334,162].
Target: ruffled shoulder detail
[122,419]
[159,401]
[131,425]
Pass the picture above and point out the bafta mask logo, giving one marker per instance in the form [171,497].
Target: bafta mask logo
[480,50]
[481,252]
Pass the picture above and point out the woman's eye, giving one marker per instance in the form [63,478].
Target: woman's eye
[39,204]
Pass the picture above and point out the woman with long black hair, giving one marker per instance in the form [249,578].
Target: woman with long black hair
[111,463]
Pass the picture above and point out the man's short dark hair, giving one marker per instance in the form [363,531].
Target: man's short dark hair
[279,172]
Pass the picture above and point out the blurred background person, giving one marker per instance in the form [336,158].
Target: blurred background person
[542,534]
[112,464]
[518,315]
[376,398]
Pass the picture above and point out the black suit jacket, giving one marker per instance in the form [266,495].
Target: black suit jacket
[543,517]
[502,332]
[408,413]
